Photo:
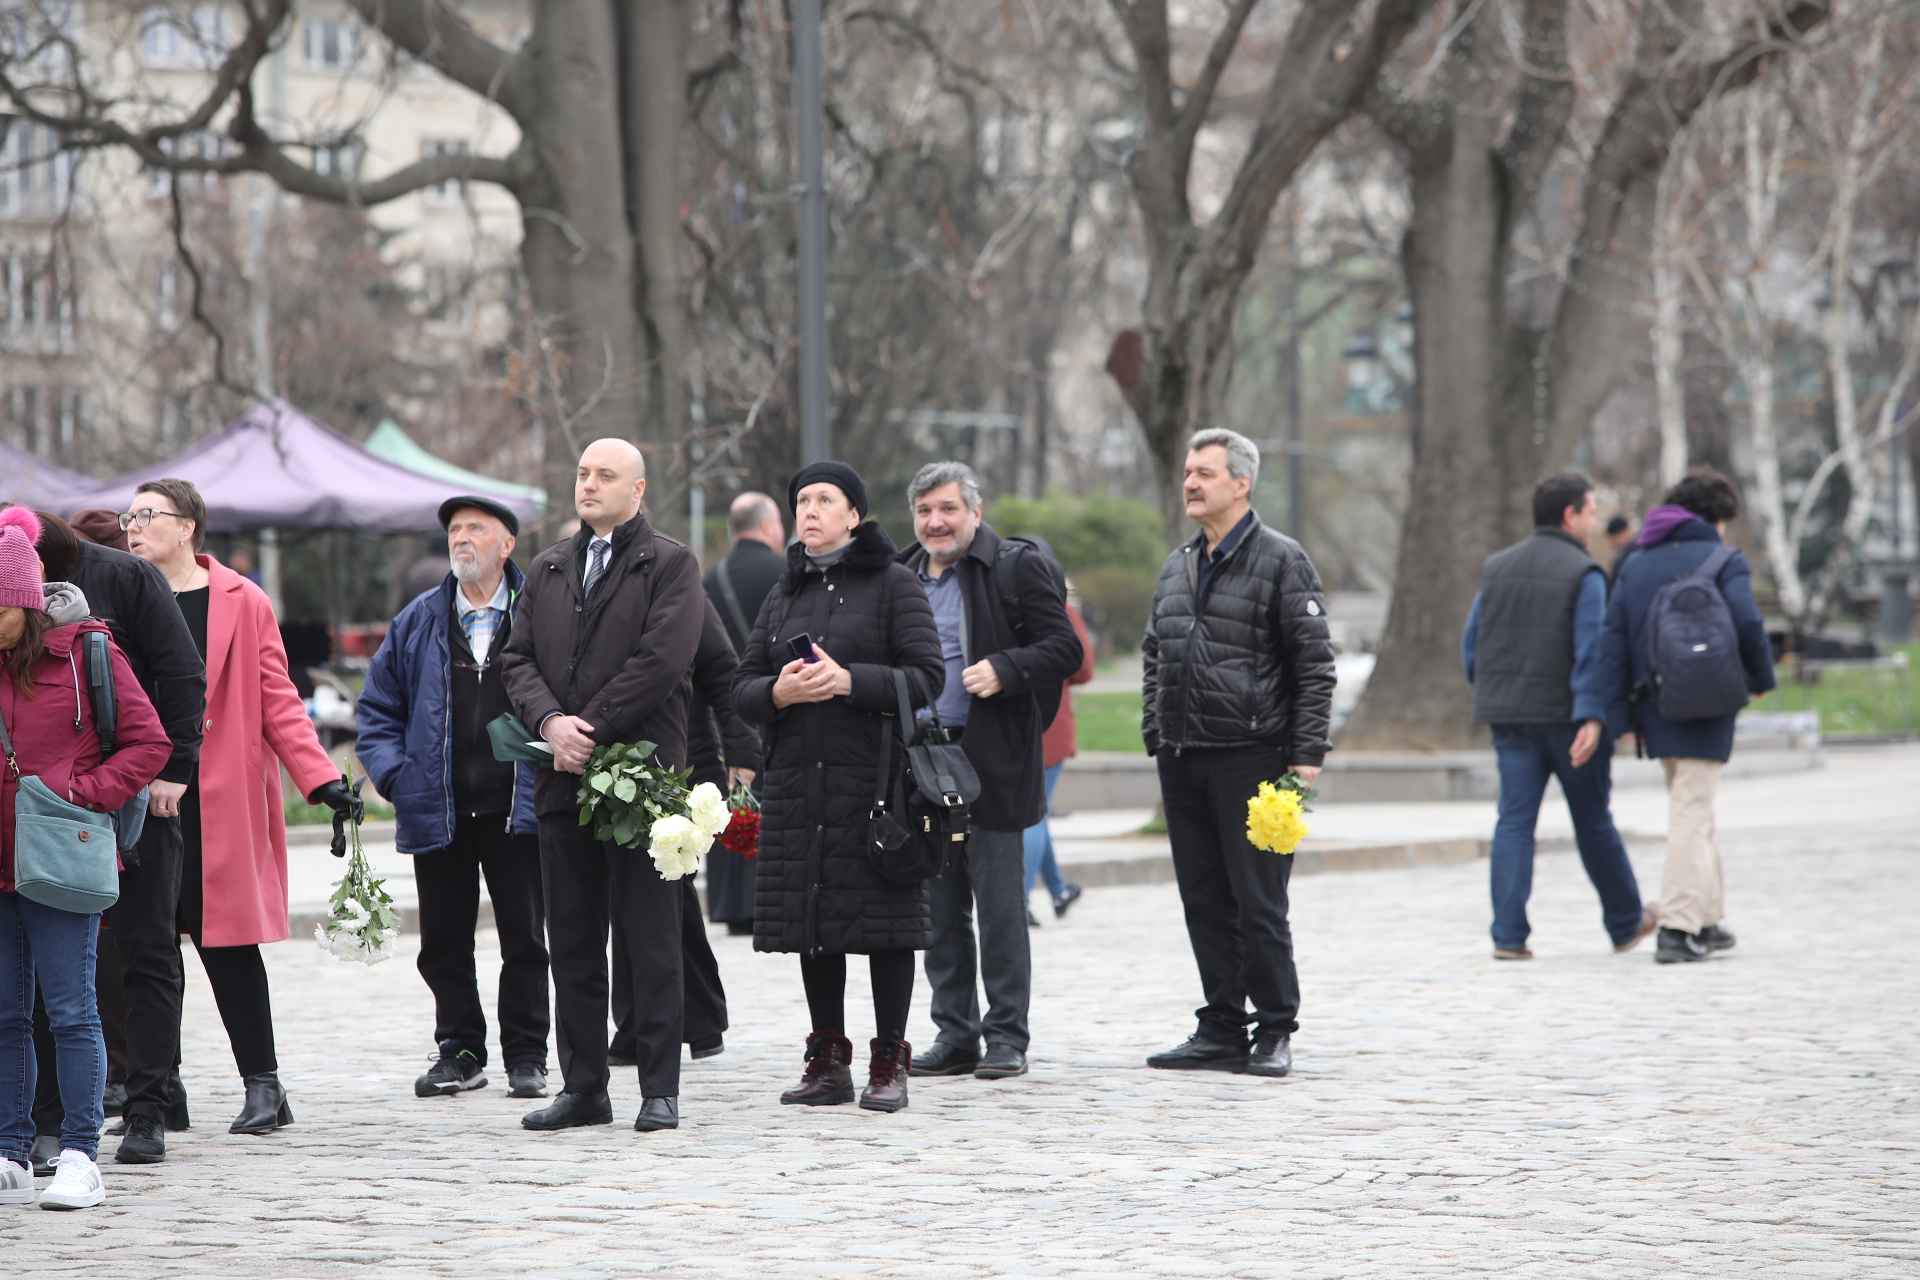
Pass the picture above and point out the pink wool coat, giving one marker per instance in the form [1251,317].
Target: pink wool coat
[255,722]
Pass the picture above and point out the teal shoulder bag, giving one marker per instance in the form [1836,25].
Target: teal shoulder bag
[63,855]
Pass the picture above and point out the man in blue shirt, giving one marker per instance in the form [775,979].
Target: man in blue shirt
[1532,654]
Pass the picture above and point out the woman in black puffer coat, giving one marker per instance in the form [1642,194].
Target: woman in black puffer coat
[816,892]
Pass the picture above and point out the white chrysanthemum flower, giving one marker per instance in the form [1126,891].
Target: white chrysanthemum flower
[708,809]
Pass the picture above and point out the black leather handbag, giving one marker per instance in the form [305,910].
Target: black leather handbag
[919,817]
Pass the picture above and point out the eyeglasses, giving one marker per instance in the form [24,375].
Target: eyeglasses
[144,517]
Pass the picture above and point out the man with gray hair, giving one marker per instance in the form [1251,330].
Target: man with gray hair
[1237,673]
[1008,646]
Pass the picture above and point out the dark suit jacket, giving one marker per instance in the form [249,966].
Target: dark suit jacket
[752,568]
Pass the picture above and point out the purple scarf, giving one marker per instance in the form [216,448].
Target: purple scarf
[1662,521]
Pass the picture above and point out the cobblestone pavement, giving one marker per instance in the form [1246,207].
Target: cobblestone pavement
[1584,1114]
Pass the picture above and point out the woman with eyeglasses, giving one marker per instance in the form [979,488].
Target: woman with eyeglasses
[233,885]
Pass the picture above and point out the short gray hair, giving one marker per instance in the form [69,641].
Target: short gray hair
[1243,455]
[938,475]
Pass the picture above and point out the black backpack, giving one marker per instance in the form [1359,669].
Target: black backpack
[1006,576]
[918,823]
[1693,651]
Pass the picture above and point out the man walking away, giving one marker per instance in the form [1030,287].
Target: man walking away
[1237,678]
[1683,540]
[1006,662]
[1532,654]
[738,586]
[606,632]
[432,690]
[134,600]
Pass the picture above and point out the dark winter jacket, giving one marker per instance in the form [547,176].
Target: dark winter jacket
[405,721]
[133,599]
[1623,650]
[817,891]
[619,660]
[717,738]
[1254,667]
[1004,732]
[749,571]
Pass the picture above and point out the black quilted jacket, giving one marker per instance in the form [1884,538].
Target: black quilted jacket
[816,891]
[1254,666]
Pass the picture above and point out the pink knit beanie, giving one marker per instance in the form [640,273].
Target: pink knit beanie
[20,560]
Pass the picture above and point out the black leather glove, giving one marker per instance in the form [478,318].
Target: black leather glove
[345,804]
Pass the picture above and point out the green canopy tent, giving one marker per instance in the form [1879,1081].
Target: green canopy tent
[394,445]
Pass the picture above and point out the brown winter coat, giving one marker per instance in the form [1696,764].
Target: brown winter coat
[618,661]
[816,890]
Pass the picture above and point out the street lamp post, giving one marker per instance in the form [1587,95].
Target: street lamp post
[816,444]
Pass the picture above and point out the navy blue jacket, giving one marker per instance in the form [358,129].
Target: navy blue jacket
[1623,651]
[405,721]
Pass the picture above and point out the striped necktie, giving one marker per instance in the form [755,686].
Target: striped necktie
[596,561]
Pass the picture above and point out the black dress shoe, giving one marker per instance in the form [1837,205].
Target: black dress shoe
[945,1060]
[266,1108]
[1002,1062]
[116,1129]
[657,1113]
[708,1047]
[1198,1053]
[1715,938]
[1272,1056]
[46,1150]
[1680,947]
[1065,900]
[527,1080]
[570,1111]
[145,1143]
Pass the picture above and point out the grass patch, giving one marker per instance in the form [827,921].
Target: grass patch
[302,814]
[1855,701]
[1109,722]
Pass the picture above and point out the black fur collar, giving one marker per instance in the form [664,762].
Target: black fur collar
[870,551]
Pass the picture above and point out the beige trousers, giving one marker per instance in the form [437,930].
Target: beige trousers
[1693,891]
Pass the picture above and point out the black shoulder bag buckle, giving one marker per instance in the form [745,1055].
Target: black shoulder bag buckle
[919,819]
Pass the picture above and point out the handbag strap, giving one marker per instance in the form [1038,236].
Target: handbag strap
[6,744]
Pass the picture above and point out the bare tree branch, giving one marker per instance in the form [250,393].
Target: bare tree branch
[430,30]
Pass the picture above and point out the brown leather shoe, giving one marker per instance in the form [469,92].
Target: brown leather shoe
[1649,921]
[887,1076]
[829,1075]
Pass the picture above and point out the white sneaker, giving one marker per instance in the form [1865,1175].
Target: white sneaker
[76,1183]
[16,1182]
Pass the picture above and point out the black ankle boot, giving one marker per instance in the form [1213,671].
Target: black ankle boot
[266,1108]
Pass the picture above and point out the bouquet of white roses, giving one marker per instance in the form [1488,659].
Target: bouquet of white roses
[361,923]
[624,792]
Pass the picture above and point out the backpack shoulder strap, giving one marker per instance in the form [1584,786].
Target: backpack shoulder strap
[1006,576]
[1717,559]
[731,598]
[106,710]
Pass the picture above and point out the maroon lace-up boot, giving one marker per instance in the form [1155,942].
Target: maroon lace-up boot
[887,1077]
[829,1074]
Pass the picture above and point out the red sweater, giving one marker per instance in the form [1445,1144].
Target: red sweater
[1062,739]
[66,758]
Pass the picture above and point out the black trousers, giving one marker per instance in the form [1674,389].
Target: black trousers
[448,882]
[588,884]
[705,1013]
[237,975]
[144,926]
[1235,895]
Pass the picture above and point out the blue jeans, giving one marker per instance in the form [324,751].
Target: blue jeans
[1529,754]
[1039,846]
[57,948]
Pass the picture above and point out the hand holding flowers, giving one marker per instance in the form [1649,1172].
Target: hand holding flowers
[1275,820]
[624,792]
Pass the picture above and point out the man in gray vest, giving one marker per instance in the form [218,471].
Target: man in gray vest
[1532,654]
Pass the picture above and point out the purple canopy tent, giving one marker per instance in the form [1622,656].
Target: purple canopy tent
[276,468]
[35,482]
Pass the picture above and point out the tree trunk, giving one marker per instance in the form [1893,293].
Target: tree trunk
[654,42]
[577,247]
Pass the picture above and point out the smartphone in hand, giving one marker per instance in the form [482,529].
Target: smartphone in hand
[802,648]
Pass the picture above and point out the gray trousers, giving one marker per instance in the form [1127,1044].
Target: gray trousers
[991,877]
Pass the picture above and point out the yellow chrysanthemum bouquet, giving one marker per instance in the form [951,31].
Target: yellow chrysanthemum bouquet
[1275,815]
